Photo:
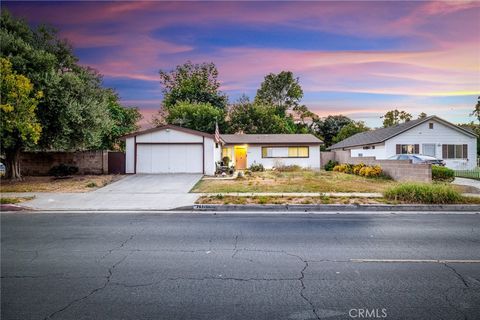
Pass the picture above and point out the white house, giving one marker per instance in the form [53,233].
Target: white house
[172,149]
[431,136]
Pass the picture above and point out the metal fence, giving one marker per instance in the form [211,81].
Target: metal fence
[472,173]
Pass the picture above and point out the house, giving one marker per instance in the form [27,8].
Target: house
[431,136]
[173,149]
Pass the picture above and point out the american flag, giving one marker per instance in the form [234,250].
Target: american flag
[217,133]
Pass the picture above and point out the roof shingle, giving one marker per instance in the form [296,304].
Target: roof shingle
[270,138]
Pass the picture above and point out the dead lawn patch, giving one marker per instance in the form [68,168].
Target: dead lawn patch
[80,183]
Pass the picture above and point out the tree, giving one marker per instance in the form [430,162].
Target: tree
[350,130]
[196,116]
[422,115]
[282,91]
[19,124]
[75,112]
[476,111]
[195,83]
[329,127]
[305,119]
[124,121]
[475,127]
[247,117]
[394,117]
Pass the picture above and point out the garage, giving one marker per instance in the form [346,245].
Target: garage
[169,158]
[171,149]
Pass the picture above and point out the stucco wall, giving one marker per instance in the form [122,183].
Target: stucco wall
[254,155]
[88,162]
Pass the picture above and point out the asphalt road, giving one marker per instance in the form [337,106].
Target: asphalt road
[200,266]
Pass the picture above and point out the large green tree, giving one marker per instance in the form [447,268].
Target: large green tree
[248,117]
[19,126]
[476,110]
[195,83]
[75,113]
[349,130]
[327,128]
[282,90]
[475,127]
[394,117]
[196,116]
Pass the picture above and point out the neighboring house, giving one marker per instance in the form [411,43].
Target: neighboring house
[172,149]
[431,136]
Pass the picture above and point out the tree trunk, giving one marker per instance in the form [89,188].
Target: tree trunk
[13,164]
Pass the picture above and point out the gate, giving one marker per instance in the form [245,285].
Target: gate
[116,162]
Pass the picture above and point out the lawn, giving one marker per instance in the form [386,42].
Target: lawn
[49,184]
[296,181]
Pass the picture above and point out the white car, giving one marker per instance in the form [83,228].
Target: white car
[418,158]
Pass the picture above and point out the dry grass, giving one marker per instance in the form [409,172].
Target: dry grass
[287,200]
[49,184]
[14,200]
[297,181]
[308,200]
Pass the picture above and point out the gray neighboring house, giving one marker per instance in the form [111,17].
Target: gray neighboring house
[431,136]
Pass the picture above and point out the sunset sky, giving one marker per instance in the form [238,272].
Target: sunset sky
[354,58]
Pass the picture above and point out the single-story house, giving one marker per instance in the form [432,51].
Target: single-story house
[431,136]
[173,149]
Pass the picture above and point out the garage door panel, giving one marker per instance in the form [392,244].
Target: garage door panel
[169,158]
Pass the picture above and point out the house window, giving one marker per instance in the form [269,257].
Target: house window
[430,125]
[428,150]
[455,151]
[407,149]
[285,152]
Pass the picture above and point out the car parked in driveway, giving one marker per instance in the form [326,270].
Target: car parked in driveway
[418,159]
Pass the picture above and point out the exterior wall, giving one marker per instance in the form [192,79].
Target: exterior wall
[326,156]
[378,152]
[130,155]
[88,162]
[254,155]
[439,135]
[400,170]
[212,155]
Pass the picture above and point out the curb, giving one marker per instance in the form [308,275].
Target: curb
[338,207]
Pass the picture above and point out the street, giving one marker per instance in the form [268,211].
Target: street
[174,265]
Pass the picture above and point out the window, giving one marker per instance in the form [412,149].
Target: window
[428,150]
[368,147]
[454,151]
[430,125]
[285,152]
[227,152]
[407,149]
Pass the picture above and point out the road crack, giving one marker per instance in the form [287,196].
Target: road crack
[458,274]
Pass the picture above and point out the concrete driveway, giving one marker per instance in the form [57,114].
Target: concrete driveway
[153,183]
[135,192]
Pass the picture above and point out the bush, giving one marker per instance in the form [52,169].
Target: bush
[423,193]
[226,161]
[344,167]
[442,174]
[63,170]
[330,165]
[256,167]
[360,169]
[91,185]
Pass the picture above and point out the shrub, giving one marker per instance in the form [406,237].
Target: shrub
[360,169]
[256,167]
[226,161]
[330,165]
[371,171]
[63,170]
[423,193]
[91,185]
[356,168]
[442,174]
[344,167]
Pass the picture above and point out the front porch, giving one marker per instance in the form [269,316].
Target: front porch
[237,156]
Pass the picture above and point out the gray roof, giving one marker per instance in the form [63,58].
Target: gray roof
[383,134]
[270,139]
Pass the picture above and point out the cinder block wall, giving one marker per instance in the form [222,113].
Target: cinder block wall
[88,162]
[400,170]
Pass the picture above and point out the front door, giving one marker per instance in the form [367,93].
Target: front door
[240,158]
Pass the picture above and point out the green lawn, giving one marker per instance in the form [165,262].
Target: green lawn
[297,181]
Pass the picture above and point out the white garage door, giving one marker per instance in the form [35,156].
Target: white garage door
[169,158]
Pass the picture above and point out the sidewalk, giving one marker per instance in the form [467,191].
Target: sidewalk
[467,182]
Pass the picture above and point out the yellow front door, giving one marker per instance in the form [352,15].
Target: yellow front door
[240,158]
